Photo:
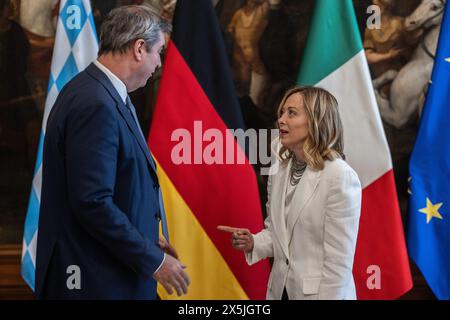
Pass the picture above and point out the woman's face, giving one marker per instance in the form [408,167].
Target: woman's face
[293,123]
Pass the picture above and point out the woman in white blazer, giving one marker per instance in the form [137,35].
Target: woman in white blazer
[313,206]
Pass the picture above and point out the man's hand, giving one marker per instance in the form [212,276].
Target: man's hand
[241,239]
[167,247]
[172,276]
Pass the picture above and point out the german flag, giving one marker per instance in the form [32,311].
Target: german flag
[191,141]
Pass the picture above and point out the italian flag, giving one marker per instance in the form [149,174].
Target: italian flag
[334,59]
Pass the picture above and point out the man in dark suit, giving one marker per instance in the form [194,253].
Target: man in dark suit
[100,207]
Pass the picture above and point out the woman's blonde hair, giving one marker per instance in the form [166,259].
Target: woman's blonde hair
[325,132]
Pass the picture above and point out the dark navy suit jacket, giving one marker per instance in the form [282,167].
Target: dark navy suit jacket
[99,203]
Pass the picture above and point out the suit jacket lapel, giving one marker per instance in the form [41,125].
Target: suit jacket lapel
[123,109]
[303,192]
[125,112]
[277,207]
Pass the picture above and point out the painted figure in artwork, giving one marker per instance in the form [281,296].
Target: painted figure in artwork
[246,27]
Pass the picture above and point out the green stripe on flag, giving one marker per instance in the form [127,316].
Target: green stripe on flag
[333,40]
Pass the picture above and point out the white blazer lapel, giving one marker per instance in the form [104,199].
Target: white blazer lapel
[277,207]
[303,192]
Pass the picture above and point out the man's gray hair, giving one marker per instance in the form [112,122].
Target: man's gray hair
[124,25]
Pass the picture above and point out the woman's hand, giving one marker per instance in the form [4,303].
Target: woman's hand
[241,239]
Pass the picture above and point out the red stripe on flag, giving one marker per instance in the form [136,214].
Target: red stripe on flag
[216,194]
[381,244]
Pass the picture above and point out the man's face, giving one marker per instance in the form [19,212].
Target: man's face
[151,60]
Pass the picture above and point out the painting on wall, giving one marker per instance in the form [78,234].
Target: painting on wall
[264,40]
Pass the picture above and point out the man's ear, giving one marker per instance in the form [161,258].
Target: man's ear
[138,49]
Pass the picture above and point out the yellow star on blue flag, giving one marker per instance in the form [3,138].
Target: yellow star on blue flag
[428,239]
[431,210]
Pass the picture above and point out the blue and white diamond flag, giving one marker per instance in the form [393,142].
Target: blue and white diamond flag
[76,46]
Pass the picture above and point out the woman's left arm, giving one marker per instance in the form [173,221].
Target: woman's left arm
[341,230]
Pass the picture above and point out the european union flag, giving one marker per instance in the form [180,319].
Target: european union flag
[429,216]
